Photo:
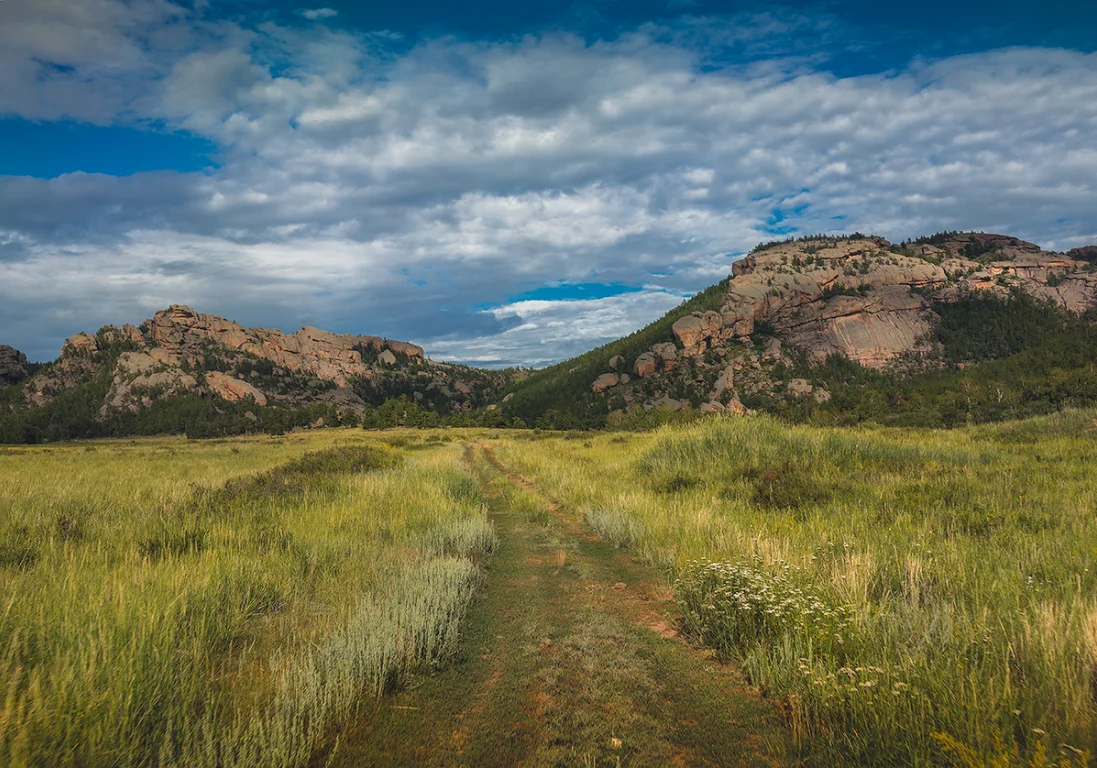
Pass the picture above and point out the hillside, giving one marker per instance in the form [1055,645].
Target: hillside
[183,370]
[936,331]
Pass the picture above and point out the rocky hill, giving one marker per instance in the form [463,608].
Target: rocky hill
[129,376]
[762,337]
[13,365]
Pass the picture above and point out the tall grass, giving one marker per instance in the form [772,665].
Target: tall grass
[961,563]
[221,603]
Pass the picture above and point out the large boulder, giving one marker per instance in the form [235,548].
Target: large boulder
[604,382]
[13,365]
[695,331]
[80,344]
[229,388]
[644,365]
[616,362]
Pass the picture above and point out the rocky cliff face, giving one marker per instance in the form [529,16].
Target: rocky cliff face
[181,351]
[862,297]
[13,365]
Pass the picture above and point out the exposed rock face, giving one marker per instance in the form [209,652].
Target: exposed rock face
[228,388]
[604,382]
[644,365]
[330,357]
[139,379]
[695,331]
[167,354]
[867,299]
[861,297]
[13,365]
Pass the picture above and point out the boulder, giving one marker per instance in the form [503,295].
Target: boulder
[736,407]
[644,365]
[80,344]
[229,388]
[695,332]
[800,387]
[667,351]
[387,358]
[616,362]
[669,402]
[625,378]
[13,365]
[405,348]
[725,381]
[604,382]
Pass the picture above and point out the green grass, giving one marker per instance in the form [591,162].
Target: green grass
[909,597]
[222,603]
[908,594]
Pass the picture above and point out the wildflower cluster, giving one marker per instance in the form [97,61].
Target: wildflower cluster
[730,606]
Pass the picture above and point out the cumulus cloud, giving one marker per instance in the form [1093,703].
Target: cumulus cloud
[313,14]
[367,186]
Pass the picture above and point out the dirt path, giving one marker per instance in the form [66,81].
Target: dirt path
[569,658]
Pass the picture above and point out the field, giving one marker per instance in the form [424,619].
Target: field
[727,592]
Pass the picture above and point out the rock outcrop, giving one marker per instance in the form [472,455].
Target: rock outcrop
[860,297]
[604,382]
[181,351]
[870,300]
[13,365]
[182,332]
[231,389]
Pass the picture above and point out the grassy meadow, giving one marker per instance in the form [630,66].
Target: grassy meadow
[165,602]
[908,597]
[912,597]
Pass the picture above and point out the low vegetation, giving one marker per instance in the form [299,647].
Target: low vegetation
[559,397]
[223,603]
[912,597]
[907,596]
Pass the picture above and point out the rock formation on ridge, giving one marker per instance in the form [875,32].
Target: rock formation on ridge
[861,297]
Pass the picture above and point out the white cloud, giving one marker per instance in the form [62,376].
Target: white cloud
[397,193]
[319,13]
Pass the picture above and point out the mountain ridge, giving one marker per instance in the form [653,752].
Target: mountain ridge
[778,334]
[758,338]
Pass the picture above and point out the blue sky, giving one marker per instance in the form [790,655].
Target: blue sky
[506,182]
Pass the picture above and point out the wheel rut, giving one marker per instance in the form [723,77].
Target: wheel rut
[569,657]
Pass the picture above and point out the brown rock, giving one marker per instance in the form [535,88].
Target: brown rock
[736,407]
[695,331]
[231,389]
[665,350]
[644,365]
[800,387]
[604,382]
[80,344]
[616,362]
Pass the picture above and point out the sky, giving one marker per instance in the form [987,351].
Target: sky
[508,183]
